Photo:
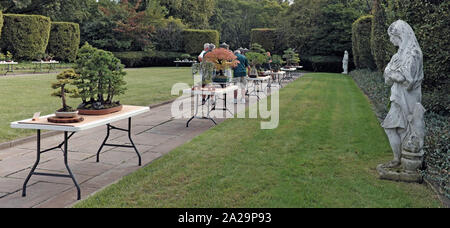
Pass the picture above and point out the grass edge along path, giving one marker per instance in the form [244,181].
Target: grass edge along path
[323,154]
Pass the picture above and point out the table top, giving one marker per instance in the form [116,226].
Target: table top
[45,62]
[8,63]
[288,69]
[185,61]
[210,91]
[259,78]
[88,123]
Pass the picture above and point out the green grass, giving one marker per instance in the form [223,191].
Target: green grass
[323,154]
[28,67]
[22,96]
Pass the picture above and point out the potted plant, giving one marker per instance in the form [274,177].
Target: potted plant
[291,57]
[185,57]
[48,57]
[223,61]
[65,79]
[277,63]
[203,71]
[101,80]
[9,56]
[2,57]
[255,60]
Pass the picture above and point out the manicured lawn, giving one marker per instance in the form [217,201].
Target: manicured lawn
[323,154]
[20,97]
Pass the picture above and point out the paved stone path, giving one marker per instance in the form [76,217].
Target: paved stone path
[155,133]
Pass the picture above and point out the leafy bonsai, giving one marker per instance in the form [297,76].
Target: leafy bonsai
[277,62]
[185,56]
[101,78]
[256,60]
[9,56]
[65,79]
[291,57]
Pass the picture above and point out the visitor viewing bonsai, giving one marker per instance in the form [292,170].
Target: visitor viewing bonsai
[101,80]
[65,79]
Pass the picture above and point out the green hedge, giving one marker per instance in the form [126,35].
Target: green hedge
[266,37]
[64,41]
[379,39]
[25,35]
[362,53]
[148,59]
[331,64]
[194,39]
[1,22]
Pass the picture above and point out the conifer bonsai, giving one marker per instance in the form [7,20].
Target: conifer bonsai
[62,89]
[101,79]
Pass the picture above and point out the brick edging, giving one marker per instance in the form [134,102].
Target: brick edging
[16,142]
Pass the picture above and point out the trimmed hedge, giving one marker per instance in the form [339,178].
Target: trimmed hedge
[148,59]
[266,37]
[194,39]
[64,41]
[25,36]
[379,39]
[331,64]
[437,159]
[362,53]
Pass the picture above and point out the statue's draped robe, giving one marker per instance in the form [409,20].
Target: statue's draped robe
[407,93]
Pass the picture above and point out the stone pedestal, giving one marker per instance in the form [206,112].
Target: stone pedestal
[399,174]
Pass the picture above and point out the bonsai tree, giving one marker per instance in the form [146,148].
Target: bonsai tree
[291,57]
[256,60]
[185,56]
[255,47]
[2,57]
[101,78]
[65,79]
[223,60]
[277,62]
[9,56]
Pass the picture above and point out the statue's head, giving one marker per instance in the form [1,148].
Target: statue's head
[401,34]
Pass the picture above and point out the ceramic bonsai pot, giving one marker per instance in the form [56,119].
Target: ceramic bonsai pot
[100,112]
[66,114]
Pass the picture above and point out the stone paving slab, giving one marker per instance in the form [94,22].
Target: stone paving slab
[155,134]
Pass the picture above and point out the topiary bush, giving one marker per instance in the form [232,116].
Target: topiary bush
[194,39]
[25,35]
[64,41]
[266,37]
[362,53]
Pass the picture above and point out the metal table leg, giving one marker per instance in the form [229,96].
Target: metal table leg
[65,153]
[109,128]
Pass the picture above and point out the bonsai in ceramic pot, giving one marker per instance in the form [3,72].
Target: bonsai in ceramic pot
[101,80]
[277,63]
[292,58]
[9,56]
[65,79]
[255,60]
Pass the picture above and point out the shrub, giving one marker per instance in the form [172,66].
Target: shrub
[379,39]
[169,36]
[1,22]
[64,41]
[25,35]
[437,158]
[362,52]
[331,64]
[266,37]
[148,59]
[194,39]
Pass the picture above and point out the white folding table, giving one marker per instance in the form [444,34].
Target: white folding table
[209,92]
[257,85]
[89,122]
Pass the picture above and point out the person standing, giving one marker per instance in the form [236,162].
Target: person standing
[205,50]
[240,76]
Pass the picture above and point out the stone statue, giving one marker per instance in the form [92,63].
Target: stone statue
[404,125]
[345,63]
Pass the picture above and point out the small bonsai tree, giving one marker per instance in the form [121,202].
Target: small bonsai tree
[291,57]
[185,56]
[256,60]
[277,62]
[65,79]
[2,57]
[101,78]
[9,56]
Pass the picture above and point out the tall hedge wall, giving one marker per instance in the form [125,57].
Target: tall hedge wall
[380,45]
[25,35]
[64,41]
[266,37]
[362,53]
[194,39]
[1,22]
